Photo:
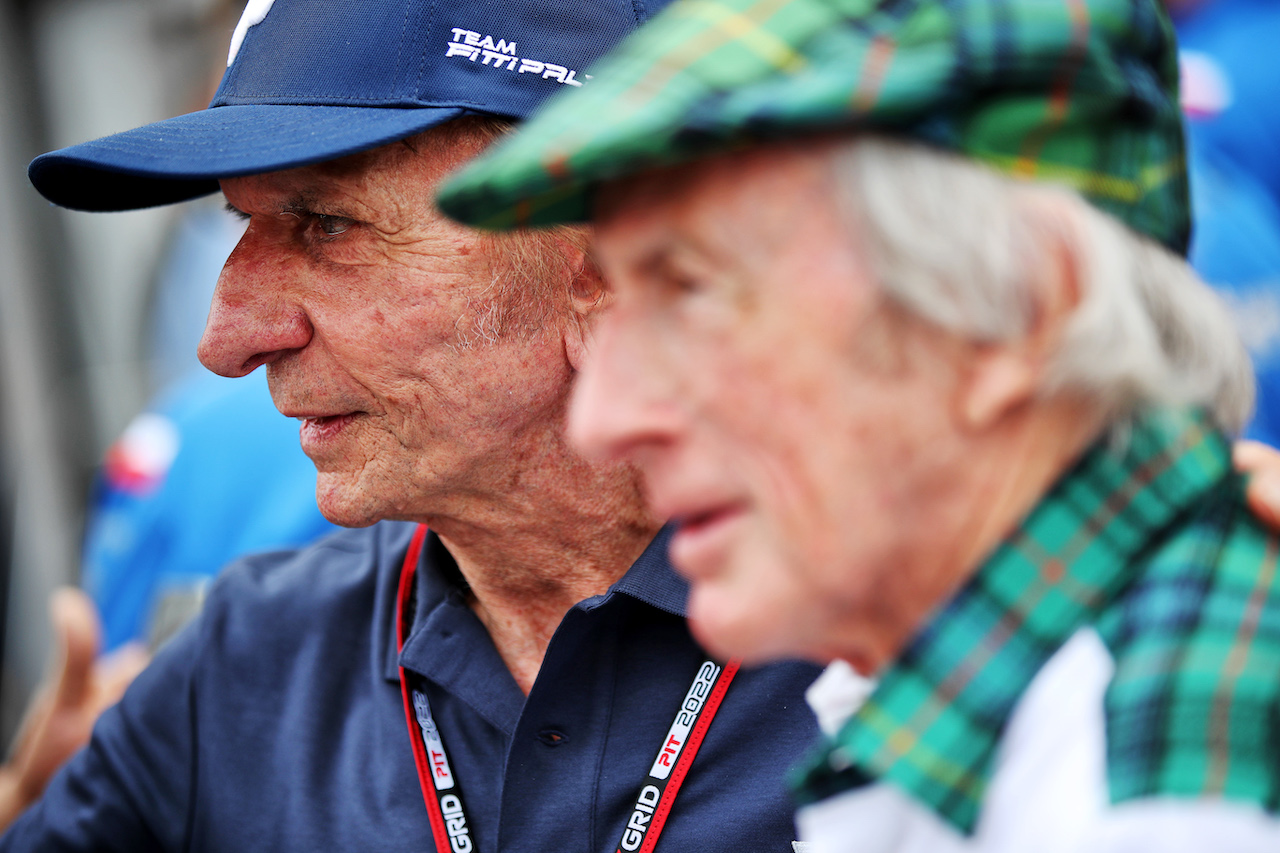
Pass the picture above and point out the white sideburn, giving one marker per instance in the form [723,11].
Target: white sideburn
[254,13]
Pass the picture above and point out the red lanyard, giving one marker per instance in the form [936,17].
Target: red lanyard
[440,788]
[677,752]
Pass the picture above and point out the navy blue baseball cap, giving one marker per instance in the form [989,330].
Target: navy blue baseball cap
[312,80]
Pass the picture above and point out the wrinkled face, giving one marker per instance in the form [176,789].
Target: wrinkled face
[379,327]
[788,417]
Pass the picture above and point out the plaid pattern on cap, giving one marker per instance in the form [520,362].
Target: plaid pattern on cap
[1156,550]
[1079,92]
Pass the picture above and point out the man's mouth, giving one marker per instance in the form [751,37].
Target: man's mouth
[315,432]
[695,522]
[704,538]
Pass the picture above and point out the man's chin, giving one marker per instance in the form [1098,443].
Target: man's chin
[728,629]
[339,506]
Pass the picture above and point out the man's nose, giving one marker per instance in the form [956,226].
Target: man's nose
[257,315]
[622,405]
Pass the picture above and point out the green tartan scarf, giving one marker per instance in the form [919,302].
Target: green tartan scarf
[1077,92]
[1154,548]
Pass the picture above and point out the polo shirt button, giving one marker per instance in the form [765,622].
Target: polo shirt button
[839,759]
[553,737]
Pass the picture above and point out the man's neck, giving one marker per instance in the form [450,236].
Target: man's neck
[526,570]
[993,484]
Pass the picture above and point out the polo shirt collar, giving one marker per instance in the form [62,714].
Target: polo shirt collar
[652,579]
[933,723]
[440,590]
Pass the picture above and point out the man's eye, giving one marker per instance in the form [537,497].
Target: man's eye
[678,281]
[332,225]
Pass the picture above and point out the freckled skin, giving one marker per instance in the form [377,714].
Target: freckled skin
[362,301]
[363,321]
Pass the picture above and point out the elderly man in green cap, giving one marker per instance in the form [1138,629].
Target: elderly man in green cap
[903,337]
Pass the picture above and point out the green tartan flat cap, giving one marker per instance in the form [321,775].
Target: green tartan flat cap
[1077,92]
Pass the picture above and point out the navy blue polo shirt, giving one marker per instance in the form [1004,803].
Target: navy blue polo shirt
[275,721]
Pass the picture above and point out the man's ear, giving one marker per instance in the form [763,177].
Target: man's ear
[588,296]
[1006,375]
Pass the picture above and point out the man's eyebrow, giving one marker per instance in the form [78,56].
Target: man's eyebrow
[299,204]
[303,202]
[313,202]
[663,259]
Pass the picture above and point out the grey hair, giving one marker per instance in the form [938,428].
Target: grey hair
[956,244]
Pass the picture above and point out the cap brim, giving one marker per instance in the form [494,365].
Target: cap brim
[184,157]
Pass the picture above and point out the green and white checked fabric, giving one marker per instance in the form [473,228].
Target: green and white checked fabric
[1153,547]
[1078,92]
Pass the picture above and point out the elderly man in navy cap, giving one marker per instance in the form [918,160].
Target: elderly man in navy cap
[511,669]
[902,335]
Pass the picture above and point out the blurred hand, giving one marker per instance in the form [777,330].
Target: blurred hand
[66,705]
[1262,463]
